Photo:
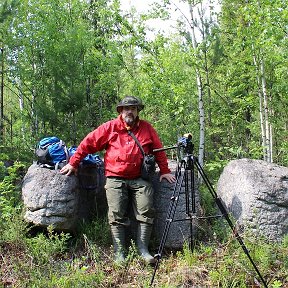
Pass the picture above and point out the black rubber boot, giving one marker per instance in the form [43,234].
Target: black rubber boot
[143,238]
[118,237]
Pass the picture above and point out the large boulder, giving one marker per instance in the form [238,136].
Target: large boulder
[256,193]
[51,198]
[62,201]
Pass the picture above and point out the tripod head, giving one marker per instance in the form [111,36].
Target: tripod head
[185,144]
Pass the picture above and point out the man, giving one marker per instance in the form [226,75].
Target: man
[123,159]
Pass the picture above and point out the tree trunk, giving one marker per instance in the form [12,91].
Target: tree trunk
[200,93]
[2,98]
[268,127]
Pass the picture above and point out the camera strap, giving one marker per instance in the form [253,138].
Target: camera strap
[137,142]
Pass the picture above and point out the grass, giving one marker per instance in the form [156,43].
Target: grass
[50,259]
[60,260]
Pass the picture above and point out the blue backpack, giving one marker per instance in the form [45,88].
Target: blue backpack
[52,153]
[90,159]
[91,170]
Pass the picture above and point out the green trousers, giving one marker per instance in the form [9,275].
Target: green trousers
[121,193]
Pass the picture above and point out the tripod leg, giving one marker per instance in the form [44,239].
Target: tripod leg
[193,197]
[189,176]
[169,219]
[190,194]
[226,215]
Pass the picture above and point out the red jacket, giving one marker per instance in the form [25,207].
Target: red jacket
[123,157]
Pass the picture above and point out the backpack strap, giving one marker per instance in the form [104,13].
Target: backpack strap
[60,164]
[137,142]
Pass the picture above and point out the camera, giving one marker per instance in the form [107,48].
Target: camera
[186,144]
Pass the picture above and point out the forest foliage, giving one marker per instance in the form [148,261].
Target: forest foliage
[65,64]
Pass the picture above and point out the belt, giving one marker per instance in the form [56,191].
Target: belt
[120,178]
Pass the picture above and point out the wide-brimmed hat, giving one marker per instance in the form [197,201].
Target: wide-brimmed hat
[130,101]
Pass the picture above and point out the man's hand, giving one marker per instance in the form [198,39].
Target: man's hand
[68,170]
[169,177]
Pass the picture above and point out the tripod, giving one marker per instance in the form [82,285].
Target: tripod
[186,169]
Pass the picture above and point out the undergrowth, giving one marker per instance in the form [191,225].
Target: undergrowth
[51,259]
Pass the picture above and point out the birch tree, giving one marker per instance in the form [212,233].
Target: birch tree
[253,37]
[266,127]
[199,87]
[264,41]
[195,27]
[66,57]
[201,24]
[6,12]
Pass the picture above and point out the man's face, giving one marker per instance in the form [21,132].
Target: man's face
[129,114]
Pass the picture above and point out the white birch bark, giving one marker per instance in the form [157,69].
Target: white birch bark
[268,127]
[200,93]
[261,113]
